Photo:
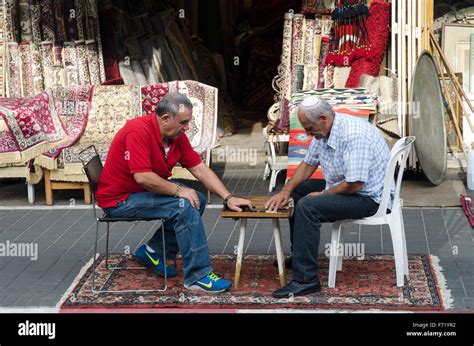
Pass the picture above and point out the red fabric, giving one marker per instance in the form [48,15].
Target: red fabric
[152,95]
[118,81]
[137,147]
[112,73]
[378,26]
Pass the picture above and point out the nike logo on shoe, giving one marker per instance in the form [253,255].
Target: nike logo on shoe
[209,285]
[154,261]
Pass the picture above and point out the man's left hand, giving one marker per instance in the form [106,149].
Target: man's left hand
[235,203]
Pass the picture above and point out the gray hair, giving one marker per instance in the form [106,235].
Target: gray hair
[173,103]
[313,107]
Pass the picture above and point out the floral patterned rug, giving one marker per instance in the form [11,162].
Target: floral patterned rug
[33,128]
[367,283]
[111,108]
[72,105]
[202,129]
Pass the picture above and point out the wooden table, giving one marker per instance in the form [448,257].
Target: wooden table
[259,203]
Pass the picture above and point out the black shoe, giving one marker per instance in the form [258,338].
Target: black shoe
[295,288]
[288,262]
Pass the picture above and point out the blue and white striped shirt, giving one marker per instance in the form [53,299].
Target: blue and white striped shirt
[354,151]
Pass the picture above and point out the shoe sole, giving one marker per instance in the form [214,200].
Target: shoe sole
[315,290]
[148,265]
[199,288]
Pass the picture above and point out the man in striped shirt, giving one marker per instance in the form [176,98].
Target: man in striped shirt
[353,156]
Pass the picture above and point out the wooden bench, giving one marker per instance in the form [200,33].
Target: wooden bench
[50,186]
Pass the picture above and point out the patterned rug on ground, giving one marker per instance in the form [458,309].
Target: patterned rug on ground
[362,284]
[468,208]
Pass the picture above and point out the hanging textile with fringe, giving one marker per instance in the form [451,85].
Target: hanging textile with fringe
[350,32]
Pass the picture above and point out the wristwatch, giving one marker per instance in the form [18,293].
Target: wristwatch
[178,190]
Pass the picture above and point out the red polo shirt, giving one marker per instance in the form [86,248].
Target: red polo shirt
[136,148]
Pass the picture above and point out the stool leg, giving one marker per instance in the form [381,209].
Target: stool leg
[48,187]
[279,251]
[240,252]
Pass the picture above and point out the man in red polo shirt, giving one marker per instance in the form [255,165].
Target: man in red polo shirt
[134,183]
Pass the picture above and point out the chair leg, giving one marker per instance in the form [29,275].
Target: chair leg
[94,290]
[395,231]
[164,254]
[209,196]
[279,251]
[266,173]
[404,242]
[107,247]
[94,265]
[341,242]
[240,252]
[333,253]
[272,181]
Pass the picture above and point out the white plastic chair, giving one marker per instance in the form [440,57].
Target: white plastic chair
[275,163]
[394,220]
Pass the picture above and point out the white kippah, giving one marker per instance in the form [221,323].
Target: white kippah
[310,102]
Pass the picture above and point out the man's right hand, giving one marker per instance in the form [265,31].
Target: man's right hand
[277,201]
[190,195]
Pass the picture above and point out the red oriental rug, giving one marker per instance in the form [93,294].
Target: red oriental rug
[202,128]
[368,283]
[33,125]
[468,208]
[152,95]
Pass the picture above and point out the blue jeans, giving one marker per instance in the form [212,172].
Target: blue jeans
[184,230]
[310,212]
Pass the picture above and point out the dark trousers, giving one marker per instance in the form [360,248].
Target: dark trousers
[310,213]
[311,185]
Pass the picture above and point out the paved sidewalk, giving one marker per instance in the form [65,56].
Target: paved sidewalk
[65,236]
[65,242]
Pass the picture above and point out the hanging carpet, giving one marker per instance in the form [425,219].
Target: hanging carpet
[34,127]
